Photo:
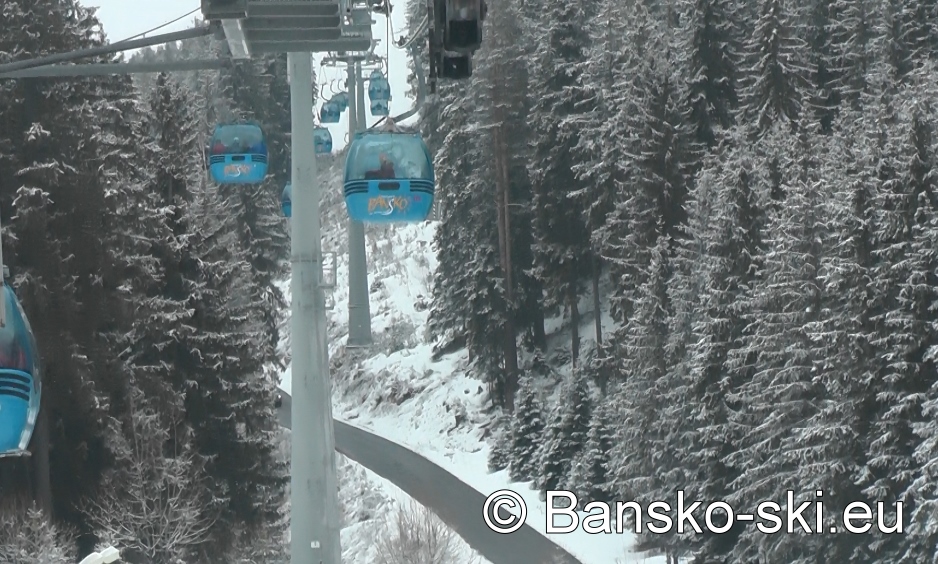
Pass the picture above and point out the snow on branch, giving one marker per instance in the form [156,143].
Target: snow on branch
[154,505]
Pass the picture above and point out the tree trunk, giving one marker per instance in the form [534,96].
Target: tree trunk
[574,320]
[540,336]
[597,311]
[39,466]
[509,343]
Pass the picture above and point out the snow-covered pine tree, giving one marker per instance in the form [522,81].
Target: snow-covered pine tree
[468,300]
[921,296]
[589,477]
[725,242]
[833,441]
[628,82]
[783,392]
[907,30]
[600,152]
[499,457]
[257,90]
[485,299]
[908,277]
[641,447]
[567,433]
[562,241]
[823,97]
[852,37]
[714,44]
[897,53]
[780,68]
[158,344]
[653,203]
[527,434]
[231,408]
[449,308]
[468,292]
[498,89]
[58,174]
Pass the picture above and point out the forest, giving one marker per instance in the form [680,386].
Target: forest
[151,293]
[749,188]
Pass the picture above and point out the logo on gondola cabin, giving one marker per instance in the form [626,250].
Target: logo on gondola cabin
[237,169]
[386,205]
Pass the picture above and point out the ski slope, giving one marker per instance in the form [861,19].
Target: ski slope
[397,391]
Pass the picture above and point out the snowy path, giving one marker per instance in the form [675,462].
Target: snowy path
[454,502]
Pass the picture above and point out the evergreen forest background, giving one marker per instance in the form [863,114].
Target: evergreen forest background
[748,186]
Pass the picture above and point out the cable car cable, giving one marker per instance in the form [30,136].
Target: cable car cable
[132,37]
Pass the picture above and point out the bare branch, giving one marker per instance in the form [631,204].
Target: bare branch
[416,536]
[154,504]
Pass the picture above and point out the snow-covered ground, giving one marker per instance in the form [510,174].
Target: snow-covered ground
[400,393]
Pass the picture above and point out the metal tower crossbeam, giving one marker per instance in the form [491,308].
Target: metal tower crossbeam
[292,26]
[101,69]
[108,49]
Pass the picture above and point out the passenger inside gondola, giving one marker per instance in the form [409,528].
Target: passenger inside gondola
[13,357]
[240,140]
[385,171]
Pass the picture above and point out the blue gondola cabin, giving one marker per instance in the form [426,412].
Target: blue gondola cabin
[379,90]
[238,154]
[20,381]
[389,178]
[341,101]
[379,108]
[330,112]
[322,138]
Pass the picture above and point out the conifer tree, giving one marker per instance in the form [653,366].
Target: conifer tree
[527,435]
[852,37]
[566,435]
[449,309]
[778,77]
[500,445]
[232,408]
[589,477]
[601,166]
[833,443]
[645,377]
[907,278]
[783,391]
[726,240]
[823,97]
[561,237]
[157,345]
[714,46]
[62,156]
[654,204]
